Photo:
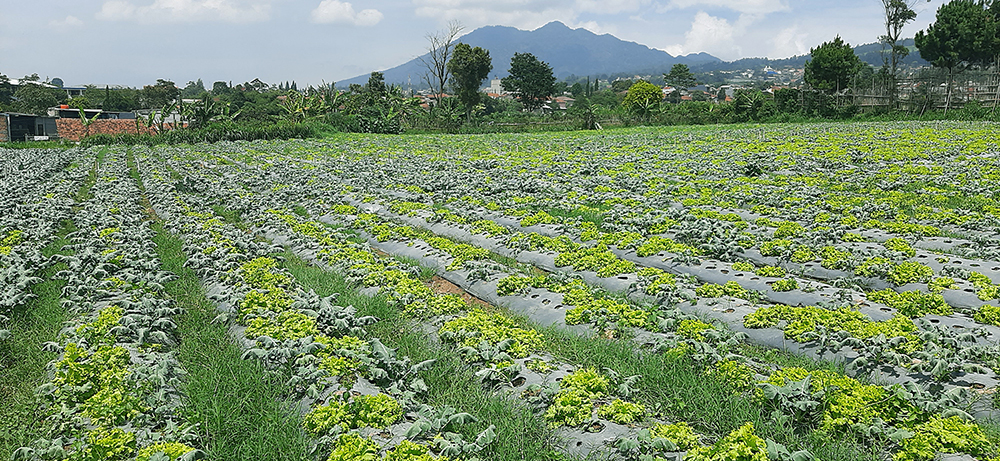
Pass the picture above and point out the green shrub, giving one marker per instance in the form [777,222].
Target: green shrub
[944,435]
[352,447]
[286,325]
[693,329]
[806,319]
[785,285]
[571,407]
[740,445]
[900,246]
[744,266]
[680,434]
[479,325]
[940,284]
[909,272]
[209,134]
[409,451]
[738,374]
[173,450]
[852,237]
[989,315]
[622,412]
[105,444]
[912,304]
[378,411]
[770,271]
[731,288]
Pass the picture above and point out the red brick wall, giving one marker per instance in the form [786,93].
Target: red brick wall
[3,128]
[73,130]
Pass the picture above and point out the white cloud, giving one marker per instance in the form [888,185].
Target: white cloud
[714,35]
[742,6]
[528,14]
[236,11]
[594,27]
[337,12]
[116,10]
[789,42]
[610,6]
[68,21]
[523,14]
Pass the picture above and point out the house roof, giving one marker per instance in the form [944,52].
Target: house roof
[18,82]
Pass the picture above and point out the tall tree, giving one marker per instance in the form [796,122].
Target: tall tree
[34,98]
[159,95]
[680,76]
[961,35]
[530,80]
[621,85]
[439,50]
[832,66]
[6,91]
[119,99]
[993,15]
[220,88]
[468,67]
[897,13]
[193,89]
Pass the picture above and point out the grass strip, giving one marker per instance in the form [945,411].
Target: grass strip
[21,357]
[84,193]
[240,407]
[521,435]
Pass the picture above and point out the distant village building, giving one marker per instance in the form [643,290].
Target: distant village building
[71,91]
[15,127]
[495,88]
[561,103]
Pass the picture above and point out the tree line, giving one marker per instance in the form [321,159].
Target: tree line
[964,35]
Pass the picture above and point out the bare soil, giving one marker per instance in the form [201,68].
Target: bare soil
[444,287]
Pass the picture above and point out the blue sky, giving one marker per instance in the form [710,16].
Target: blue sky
[134,42]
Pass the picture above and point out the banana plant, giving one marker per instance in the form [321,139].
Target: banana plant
[299,106]
[199,114]
[167,110]
[87,122]
[226,114]
[145,123]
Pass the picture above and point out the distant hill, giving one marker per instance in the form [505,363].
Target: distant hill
[870,53]
[569,52]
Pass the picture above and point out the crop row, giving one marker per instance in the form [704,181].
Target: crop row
[942,353]
[113,390]
[286,191]
[32,207]
[504,351]
[355,389]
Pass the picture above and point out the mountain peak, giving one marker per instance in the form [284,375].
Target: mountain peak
[554,25]
[569,52]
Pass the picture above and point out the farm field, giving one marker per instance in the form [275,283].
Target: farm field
[798,292]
